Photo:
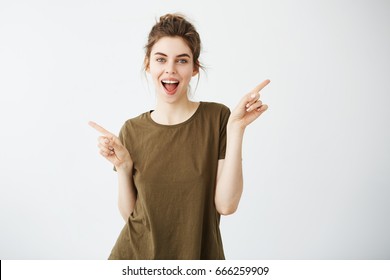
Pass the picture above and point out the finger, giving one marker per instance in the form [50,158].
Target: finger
[252,98]
[262,109]
[104,140]
[261,86]
[255,106]
[248,99]
[105,154]
[105,149]
[115,142]
[99,128]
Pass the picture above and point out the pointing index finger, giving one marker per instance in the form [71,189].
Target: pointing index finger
[99,128]
[261,86]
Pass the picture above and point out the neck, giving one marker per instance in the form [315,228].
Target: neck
[174,113]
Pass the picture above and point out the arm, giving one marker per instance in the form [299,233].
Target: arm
[113,150]
[229,175]
[127,195]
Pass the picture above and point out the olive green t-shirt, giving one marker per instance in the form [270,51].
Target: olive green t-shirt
[175,170]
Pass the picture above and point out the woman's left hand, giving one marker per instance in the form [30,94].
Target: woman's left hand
[249,108]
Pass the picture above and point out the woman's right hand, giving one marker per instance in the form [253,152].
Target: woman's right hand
[112,149]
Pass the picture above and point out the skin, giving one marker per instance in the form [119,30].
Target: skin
[172,58]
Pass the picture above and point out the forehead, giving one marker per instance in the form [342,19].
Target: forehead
[171,46]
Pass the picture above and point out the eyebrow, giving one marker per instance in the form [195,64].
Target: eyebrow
[180,55]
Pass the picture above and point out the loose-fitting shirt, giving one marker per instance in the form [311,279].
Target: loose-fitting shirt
[174,173]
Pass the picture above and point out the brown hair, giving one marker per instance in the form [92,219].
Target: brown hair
[174,25]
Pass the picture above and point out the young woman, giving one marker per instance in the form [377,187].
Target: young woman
[179,165]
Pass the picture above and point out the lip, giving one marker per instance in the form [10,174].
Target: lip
[169,80]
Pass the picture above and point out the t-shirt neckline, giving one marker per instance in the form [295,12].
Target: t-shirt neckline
[178,124]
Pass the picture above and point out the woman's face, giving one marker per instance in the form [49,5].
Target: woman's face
[171,67]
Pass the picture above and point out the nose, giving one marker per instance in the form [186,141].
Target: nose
[170,68]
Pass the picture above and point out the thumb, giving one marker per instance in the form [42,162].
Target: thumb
[114,141]
[246,99]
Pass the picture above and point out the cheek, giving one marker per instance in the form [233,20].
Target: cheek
[188,73]
[155,72]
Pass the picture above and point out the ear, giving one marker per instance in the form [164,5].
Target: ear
[196,70]
[146,63]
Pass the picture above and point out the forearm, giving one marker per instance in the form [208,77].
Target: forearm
[126,192]
[230,181]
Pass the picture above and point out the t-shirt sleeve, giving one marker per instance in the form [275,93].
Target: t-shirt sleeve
[121,137]
[225,114]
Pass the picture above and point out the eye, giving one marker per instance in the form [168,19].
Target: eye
[182,61]
[160,59]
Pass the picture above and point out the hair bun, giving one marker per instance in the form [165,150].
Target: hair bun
[172,17]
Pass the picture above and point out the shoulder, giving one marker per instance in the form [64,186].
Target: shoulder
[216,114]
[140,121]
[216,108]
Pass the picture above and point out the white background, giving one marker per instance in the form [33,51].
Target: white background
[316,164]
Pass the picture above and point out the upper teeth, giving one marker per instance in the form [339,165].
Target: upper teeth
[170,82]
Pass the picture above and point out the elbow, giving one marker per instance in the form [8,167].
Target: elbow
[225,206]
[227,210]
[125,214]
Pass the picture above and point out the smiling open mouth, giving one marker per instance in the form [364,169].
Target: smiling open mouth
[170,86]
